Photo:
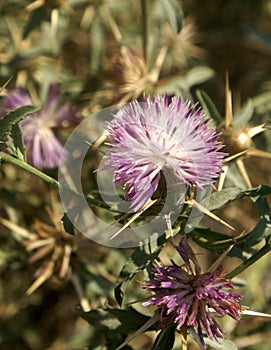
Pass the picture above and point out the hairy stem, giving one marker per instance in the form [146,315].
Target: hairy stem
[8,158]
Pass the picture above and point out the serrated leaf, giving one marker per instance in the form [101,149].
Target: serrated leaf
[174,14]
[115,320]
[14,117]
[209,107]
[241,118]
[165,339]
[15,144]
[139,260]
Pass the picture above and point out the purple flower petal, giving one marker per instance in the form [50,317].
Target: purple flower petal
[184,295]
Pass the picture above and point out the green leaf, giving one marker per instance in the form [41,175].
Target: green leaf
[14,117]
[165,339]
[174,14]
[221,198]
[243,116]
[97,43]
[15,144]
[227,195]
[217,242]
[184,82]
[260,231]
[261,190]
[209,107]
[115,320]
[221,344]
[139,260]
[37,16]
[224,344]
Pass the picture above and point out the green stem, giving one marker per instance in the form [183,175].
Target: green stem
[144,28]
[20,163]
[264,250]
[8,158]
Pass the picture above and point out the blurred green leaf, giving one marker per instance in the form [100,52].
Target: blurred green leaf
[139,260]
[262,102]
[15,144]
[241,118]
[37,16]
[179,82]
[97,43]
[165,339]
[14,117]
[174,14]
[209,107]
[115,320]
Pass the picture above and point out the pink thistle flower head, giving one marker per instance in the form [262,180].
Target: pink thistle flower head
[43,148]
[186,297]
[157,136]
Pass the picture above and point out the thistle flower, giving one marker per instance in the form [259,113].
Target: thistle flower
[188,298]
[158,137]
[43,148]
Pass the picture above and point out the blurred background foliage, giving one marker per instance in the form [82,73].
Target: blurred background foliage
[106,52]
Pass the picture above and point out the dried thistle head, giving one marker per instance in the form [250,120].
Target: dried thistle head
[58,251]
[182,46]
[55,247]
[127,71]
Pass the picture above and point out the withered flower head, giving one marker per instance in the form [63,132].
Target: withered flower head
[183,46]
